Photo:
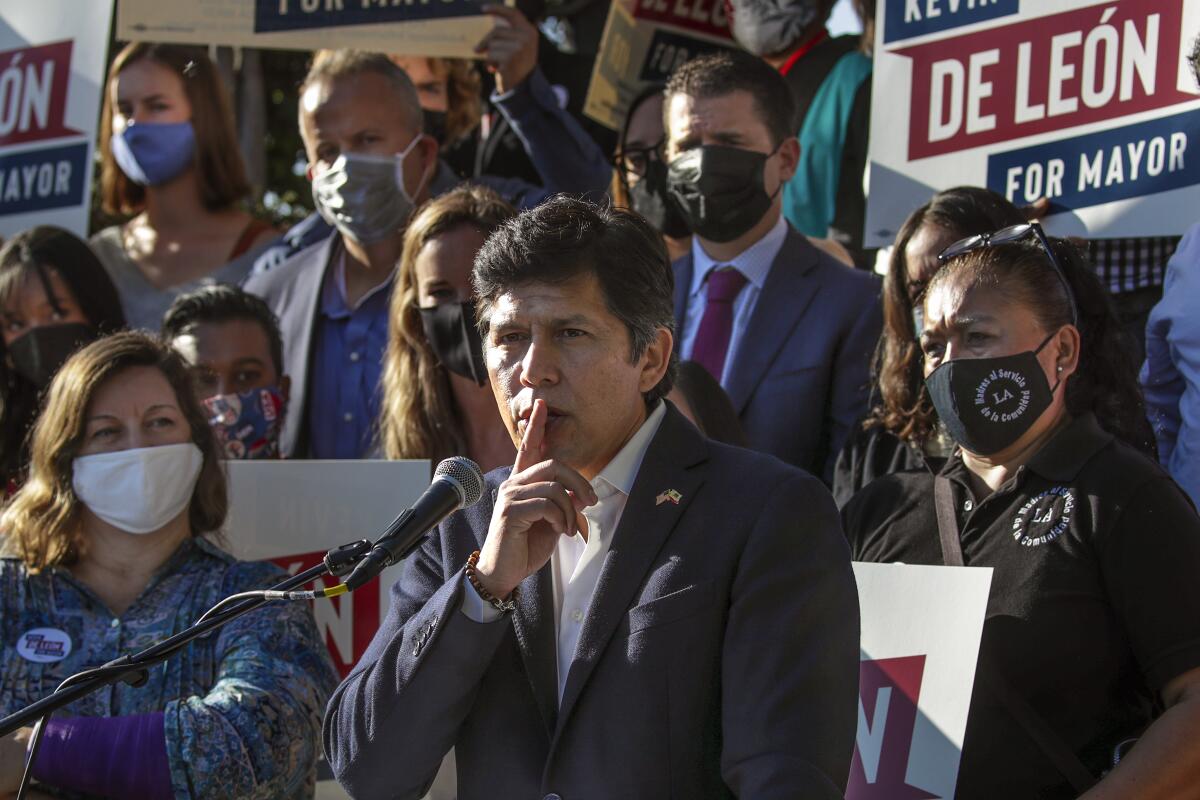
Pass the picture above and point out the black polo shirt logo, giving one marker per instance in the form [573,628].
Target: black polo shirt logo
[1044,517]
[1003,395]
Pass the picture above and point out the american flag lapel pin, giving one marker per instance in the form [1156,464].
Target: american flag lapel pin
[669,496]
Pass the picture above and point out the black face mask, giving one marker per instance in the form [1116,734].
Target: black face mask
[452,335]
[435,124]
[720,190]
[38,354]
[649,198]
[987,404]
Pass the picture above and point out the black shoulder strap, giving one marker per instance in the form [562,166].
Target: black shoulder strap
[806,75]
[1049,742]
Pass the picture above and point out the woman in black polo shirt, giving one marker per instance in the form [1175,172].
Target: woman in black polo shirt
[1093,624]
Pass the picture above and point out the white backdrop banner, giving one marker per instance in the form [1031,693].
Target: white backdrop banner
[52,62]
[1092,105]
[920,641]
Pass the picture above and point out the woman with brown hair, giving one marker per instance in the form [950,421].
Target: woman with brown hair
[169,157]
[901,431]
[105,554]
[436,398]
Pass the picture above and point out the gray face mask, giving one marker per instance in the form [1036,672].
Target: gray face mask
[770,27]
[364,197]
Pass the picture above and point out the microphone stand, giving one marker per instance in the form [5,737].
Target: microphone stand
[134,669]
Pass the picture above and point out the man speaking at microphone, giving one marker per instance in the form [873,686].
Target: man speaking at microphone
[632,610]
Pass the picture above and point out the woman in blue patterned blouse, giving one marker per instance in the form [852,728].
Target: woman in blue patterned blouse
[107,555]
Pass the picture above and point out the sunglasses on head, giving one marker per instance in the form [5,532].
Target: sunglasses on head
[1011,235]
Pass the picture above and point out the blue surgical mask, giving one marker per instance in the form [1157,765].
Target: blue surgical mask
[154,153]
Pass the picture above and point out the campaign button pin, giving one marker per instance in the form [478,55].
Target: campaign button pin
[44,645]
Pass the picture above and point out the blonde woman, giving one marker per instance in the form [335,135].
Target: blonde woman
[437,402]
[105,555]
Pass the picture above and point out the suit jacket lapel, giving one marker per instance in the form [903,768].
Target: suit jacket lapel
[303,299]
[533,624]
[645,524]
[683,283]
[781,304]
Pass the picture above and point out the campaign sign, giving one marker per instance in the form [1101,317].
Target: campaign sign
[644,41]
[921,628]
[1092,106]
[446,28]
[51,63]
[290,15]
[293,512]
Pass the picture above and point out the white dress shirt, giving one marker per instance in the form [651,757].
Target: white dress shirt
[755,263]
[575,564]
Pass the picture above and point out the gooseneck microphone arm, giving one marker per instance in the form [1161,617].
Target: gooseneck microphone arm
[132,669]
[458,482]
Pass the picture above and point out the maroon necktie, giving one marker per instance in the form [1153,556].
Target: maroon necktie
[712,339]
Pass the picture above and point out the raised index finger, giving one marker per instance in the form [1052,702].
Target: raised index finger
[530,451]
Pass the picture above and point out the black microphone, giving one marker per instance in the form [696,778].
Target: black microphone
[457,483]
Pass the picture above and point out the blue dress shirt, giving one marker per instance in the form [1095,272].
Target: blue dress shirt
[348,351]
[755,263]
[1171,374]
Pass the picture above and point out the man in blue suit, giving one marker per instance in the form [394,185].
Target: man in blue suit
[785,328]
[632,611]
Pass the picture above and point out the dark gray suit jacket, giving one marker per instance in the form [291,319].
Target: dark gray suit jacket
[293,291]
[800,377]
[719,657]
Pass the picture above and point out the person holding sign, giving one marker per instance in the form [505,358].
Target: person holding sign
[1093,624]
[608,621]
[785,328]
[106,554]
[371,165]
[169,155]
[534,148]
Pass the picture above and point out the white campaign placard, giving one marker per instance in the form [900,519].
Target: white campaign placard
[52,64]
[447,28]
[293,512]
[921,628]
[1092,105]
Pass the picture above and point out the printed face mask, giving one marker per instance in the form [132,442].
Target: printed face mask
[649,198]
[452,335]
[987,404]
[140,490]
[364,196]
[153,153]
[247,424]
[38,353]
[720,190]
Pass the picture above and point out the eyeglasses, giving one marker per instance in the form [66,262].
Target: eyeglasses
[635,160]
[1011,235]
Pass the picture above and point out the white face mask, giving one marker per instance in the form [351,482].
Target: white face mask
[140,490]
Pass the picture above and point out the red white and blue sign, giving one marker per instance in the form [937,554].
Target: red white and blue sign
[1092,106]
[51,64]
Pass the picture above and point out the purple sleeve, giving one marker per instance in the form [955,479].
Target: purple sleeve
[107,756]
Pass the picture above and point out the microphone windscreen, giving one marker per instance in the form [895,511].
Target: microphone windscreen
[465,474]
